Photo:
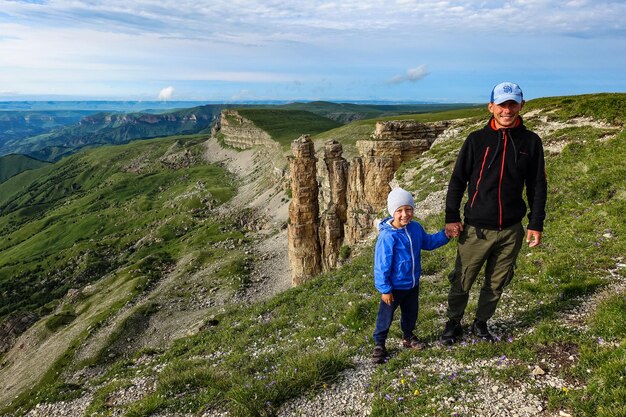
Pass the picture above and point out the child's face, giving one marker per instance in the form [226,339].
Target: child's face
[402,216]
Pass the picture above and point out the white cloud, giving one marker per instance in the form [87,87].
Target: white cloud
[412,75]
[166,93]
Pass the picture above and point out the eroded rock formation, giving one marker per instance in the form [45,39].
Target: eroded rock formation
[12,327]
[303,227]
[360,212]
[335,207]
[242,133]
[337,167]
[352,194]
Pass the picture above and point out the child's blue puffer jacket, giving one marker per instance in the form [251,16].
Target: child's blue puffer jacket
[397,258]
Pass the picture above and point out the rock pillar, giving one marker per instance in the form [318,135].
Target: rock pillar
[352,194]
[359,214]
[337,176]
[331,238]
[334,217]
[303,228]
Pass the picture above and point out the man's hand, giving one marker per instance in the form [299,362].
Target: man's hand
[387,298]
[533,238]
[453,229]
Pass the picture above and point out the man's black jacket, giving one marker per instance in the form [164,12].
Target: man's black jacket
[495,165]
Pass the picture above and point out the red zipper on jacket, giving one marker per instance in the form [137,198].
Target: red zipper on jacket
[480,176]
[505,138]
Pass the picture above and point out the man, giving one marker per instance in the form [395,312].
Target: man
[494,164]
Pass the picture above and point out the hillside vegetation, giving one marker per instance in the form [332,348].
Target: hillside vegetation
[363,129]
[564,312]
[284,126]
[11,165]
[68,224]
[348,112]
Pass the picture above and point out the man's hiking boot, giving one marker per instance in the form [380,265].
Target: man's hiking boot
[452,332]
[413,343]
[379,355]
[481,331]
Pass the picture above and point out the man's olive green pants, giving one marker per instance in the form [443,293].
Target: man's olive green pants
[499,249]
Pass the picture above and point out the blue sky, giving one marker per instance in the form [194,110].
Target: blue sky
[237,50]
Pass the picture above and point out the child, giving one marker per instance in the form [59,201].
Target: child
[397,269]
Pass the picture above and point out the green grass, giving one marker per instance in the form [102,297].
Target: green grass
[110,212]
[347,112]
[284,126]
[349,134]
[609,107]
[82,217]
[11,165]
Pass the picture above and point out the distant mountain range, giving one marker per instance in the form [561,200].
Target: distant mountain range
[107,128]
[16,125]
[49,131]
[98,105]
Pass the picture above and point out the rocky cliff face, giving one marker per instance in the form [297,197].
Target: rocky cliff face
[350,194]
[116,120]
[242,133]
[13,326]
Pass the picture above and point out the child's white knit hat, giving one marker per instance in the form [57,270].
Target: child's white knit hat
[397,198]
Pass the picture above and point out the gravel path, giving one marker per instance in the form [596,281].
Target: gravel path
[349,397]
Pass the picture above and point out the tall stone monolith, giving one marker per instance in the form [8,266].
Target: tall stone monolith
[303,227]
[359,214]
[334,215]
[337,167]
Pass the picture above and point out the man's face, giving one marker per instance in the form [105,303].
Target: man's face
[402,216]
[505,114]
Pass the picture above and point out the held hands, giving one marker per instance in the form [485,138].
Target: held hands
[387,298]
[453,230]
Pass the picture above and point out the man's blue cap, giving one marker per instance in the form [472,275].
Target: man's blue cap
[506,91]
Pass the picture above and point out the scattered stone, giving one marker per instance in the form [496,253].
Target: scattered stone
[538,371]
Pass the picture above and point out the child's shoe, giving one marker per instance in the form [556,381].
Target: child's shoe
[380,354]
[413,343]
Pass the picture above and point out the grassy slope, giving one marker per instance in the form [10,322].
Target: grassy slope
[362,129]
[350,112]
[286,125]
[259,357]
[74,221]
[11,165]
[119,219]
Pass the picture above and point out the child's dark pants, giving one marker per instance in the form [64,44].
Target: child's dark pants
[408,301]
